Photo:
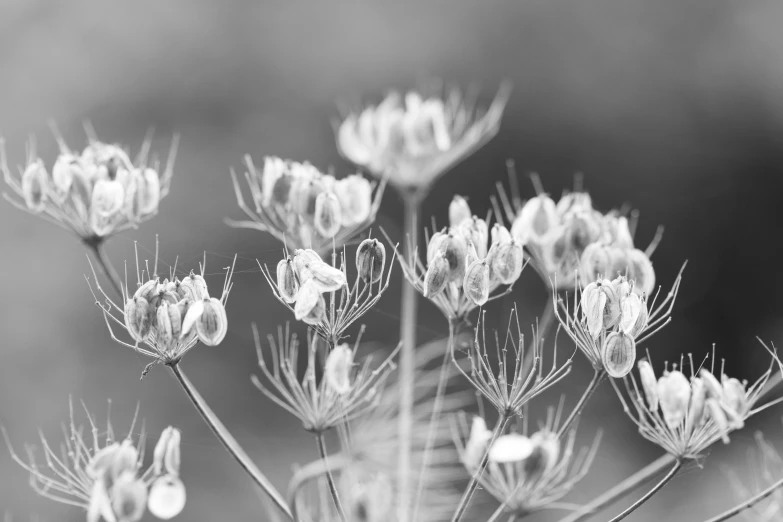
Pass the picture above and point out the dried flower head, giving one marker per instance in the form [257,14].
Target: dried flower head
[105,477]
[94,193]
[319,294]
[520,374]
[333,390]
[528,472]
[466,265]
[607,319]
[414,139]
[685,416]
[166,318]
[766,463]
[305,208]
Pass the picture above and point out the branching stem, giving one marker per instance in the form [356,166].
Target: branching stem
[636,505]
[596,381]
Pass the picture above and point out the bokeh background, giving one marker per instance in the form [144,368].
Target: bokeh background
[674,106]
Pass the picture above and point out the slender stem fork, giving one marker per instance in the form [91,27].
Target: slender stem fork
[597,379]
[96,247]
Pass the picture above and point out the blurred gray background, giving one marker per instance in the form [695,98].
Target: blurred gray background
[675,106]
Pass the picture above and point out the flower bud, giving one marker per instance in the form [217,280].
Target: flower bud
[619,354]
[337,370]
[167,497]
[459,211]
[510,448]
[649,384]
[34,186]
[475,231]
[128,498]
[537,222]
[327,214]
[507,261]
[169,325]
[476,445]
[167,454]
[370,260]
[674,393]
[193,287]
[287,284]
[476,282]
[696,408]
[355,195]
[437,276]
[138,318]
[212,324]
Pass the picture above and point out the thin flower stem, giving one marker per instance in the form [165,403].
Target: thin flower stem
[225,437]
[636,505]
[319,438]
[726,515]
[436,411]
[96,247]
[546,319]
[596,381]
[465,500]
[497,513]
[412,206]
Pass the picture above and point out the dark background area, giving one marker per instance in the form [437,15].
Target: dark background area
[673,106]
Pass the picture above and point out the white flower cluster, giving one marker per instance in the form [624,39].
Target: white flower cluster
[93,193]
[304,207]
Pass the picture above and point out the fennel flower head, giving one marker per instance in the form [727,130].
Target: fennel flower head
[414,139]
[93,193]
[106,477]
[305,208]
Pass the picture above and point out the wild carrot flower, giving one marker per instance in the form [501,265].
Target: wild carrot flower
[93,193]
[766,465]
[466,264]
[607,319]
[685,416]
[333,389]
[305,208]
[414,139]
[106,477]
[529,472]
[303,280]
[520,375]
[165,319]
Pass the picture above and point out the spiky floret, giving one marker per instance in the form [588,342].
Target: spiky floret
[305,208]
[520,374]
[530,472]
[94,193]
[105,476]
[165,319]
[320,399]
[686,416]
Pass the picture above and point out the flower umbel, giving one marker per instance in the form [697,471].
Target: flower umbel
[166,318]
[332,390]
[414,139]
[305,208]
[105,477]
[93,193]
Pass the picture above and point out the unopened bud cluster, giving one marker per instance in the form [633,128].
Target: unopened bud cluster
[94,193]
[306,208]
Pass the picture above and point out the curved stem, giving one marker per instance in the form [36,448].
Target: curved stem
[443,379]
[636,505]
[319,438]
[225,437]
[96,247]
[747,504]
[412,205]
[465,500]
[597,379]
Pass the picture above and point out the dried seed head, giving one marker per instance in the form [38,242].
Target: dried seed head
[328,216]
[138,318]
[337,370]
[674,393]
[507,261]
[34,186]
[649,384]
[437,276]
[287,284]
[370,260]
[476,282]
[459,211]
[167,497]
[633,315]
[619,354]
[310,267]
[476,446]
[167,453]
[193,287]
[128,498]
[510,448]
[212,323]
[355,195]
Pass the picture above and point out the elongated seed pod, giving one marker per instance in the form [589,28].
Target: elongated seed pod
[138,318]
[476,282]
[436,277]
[618,354]
[212,324]
[317,314]
[507,262]
[475,231]
[169,325]
[328,216]
[370,260]
[696,408]
[34,186]
[337,370]
[193,287]
[287,283]
[355,195]
[649,384]
[593,304]
[306,299]
[674,394]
